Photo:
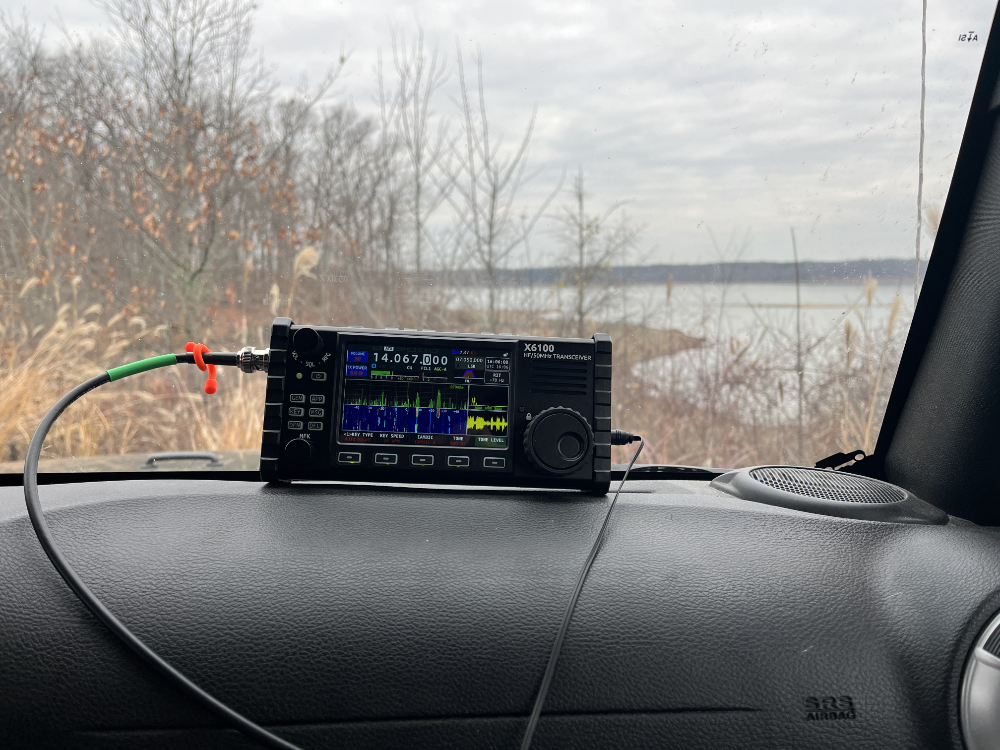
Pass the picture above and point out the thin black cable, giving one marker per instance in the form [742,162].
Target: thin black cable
[550,670]
[236,720]
[222,359]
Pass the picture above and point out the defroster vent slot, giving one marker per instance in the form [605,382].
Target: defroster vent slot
[557,378]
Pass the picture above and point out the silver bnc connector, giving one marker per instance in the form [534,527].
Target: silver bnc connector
[253,360]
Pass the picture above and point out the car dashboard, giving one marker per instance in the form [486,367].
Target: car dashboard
[356,615]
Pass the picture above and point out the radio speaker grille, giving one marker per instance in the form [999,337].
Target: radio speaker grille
[828,485]
[559,378]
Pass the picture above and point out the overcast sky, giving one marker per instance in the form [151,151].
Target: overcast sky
[726,115]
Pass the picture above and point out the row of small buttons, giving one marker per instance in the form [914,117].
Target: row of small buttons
[300,398]
[391,459]
[298,411]
[311,426]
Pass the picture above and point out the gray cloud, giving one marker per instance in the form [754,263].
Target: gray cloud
[717,114]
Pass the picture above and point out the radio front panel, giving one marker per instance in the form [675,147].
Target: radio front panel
[352,404]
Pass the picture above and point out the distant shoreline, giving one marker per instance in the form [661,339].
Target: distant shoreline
[884,270]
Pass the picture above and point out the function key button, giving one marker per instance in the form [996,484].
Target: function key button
[318,376]
[312,412]
[296,411]
[386,459]
[297,398]
[458,461]
[315,426]
[346,457]
[317,398]
[494,462]
[295,425]
[418,460]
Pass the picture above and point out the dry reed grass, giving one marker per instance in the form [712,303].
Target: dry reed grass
[731,403]
[166,411]
[716,401]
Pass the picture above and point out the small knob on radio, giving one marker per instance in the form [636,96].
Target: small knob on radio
[307,341]
[557,440]
[299,450]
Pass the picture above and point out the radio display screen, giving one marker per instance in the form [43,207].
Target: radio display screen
[437,395]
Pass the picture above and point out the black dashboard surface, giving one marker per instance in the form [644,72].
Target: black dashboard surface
[363,616]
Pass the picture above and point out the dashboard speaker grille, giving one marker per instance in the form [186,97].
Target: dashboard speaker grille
[828,485]
[559,378]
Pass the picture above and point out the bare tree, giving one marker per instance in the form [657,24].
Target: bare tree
[355,201]
[22,77]
[426,144]
[591,244]
[487,185]
[191,143]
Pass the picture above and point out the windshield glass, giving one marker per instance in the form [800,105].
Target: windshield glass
[743,197]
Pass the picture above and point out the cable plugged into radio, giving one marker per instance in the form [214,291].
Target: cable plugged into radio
[550,669]
[389,407]
[620,437]
[196,354]
[251,360]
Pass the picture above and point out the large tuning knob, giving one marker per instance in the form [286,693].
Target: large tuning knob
[557,440]
[299,450]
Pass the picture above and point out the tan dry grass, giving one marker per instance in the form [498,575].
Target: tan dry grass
[732,409]
[165,410]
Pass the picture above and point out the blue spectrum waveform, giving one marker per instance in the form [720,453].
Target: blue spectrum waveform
[404,419]
[442,421]
[379,418]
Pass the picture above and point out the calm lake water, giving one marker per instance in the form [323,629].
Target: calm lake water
[733,309]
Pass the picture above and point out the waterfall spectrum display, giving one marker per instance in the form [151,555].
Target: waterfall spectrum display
[425,408]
